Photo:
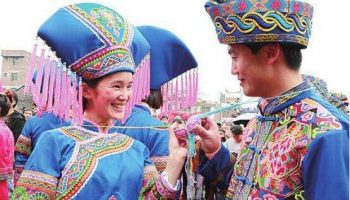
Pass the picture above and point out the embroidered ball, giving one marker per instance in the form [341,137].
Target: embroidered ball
[181,133]
[192,122]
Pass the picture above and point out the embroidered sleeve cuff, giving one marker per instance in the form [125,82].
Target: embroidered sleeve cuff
[168,186]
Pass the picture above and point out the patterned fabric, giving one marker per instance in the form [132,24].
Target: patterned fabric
[246,21]
[101,48]
[23,145]
[82,163]
[35,184]
[280,144]
[31,132]
[340,101]
[6,158]
[160,162]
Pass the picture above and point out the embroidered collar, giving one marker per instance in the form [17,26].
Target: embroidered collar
[92,126]
[272,105]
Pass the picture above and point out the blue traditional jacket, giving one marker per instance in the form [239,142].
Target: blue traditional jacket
[32,130]
[297,148]
[78,163]
[156,140]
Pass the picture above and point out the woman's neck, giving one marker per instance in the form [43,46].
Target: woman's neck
[103,124]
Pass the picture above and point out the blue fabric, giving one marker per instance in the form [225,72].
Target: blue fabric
[326,167]
[170,57]
[105,181]
[69,37]
[139,47]
[220,165]
[157,141]
[33,129]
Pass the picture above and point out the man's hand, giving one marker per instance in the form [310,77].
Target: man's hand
[209,133]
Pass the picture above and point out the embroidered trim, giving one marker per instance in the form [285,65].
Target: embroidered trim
[24,145]
[85,158]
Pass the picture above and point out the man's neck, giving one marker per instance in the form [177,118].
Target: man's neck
[283,82]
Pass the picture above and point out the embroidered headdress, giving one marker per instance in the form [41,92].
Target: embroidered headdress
[173,69]
[252,21]
[83,42]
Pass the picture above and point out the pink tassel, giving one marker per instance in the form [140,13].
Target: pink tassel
[51,87]
[197,78]
[38,79]
[1,87]
[74,99]
[190,88]
[176,95]
[166,98]
[29,71]
[63,98]
[182,93]
[80,112]
[186,91]
[67,104]
[57,90]
[46,84]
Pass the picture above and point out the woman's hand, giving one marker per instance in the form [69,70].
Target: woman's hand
[177,156]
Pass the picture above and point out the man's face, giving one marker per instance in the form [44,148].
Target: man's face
[249,69]
[164,120]
[27,114]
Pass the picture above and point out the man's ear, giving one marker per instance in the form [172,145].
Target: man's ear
[272,53]
[86,91]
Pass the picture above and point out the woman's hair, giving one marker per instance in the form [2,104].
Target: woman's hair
[91,84]
[12,96]
[4,105]
[155,99]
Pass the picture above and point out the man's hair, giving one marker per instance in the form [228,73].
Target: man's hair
[154,99]
[164,116]
[236,129]
[4,105]
[12,95]
[292,53]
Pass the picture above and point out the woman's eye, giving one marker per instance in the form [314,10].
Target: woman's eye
[117,86]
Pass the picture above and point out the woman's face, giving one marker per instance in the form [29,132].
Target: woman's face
[108,100]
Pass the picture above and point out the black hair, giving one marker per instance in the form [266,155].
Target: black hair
[155,99]
[236,130]
[4,105]
[91,84]
[292,53]
[12,96]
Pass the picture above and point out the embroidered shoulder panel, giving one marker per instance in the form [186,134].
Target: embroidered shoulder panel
[84,160]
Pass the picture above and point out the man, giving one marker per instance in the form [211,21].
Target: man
[233,143]
[28,113]
[297,148]
[15,120]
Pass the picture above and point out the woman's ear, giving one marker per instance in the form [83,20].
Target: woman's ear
[86,91]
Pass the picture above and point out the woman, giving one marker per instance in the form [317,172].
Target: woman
[170,58]
[83,162]
[6,150]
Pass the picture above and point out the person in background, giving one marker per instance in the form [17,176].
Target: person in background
[6,149]
[28,112]
[15,120]
[164,119]
[234,142]
[169,58]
